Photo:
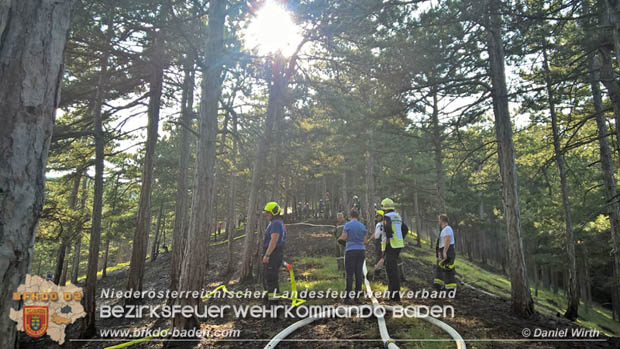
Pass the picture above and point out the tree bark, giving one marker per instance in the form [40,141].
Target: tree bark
[213,221]
[195,254]
[88,327]
[608,176]
[522,303]
[179,235]
[573,298]
[143,224]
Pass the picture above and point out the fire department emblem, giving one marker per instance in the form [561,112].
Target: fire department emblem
[35,320]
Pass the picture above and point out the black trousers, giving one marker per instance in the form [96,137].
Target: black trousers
[353,265]
[391,268]
[445,273]
[271,269]
[378,251]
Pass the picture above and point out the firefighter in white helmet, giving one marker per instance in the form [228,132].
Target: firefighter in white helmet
[392,243]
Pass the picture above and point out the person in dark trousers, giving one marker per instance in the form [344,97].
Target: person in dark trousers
[446,254]
[392,243]
[355,239]
[273,248]
[378,234]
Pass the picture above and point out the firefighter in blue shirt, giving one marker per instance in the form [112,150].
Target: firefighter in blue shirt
[273,247]
[355,239]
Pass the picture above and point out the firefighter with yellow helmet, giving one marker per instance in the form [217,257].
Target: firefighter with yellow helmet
[273,247]
[393,241]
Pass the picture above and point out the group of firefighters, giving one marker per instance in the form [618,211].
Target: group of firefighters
[389,235]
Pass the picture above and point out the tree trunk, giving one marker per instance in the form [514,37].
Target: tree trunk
[608,176]
[545,275]
[88,328]
[437,134]
[345,197]
[162,234]
[104,271]
[483,242]
[608,78]
[286,194]
[63,275]
[275,103]
[195,254]
[179,235]
[232,198]
[416,209]
[611,19]
[536,278]
[522,304]
[77,247]
[586,294]
[143,224]
[276,152]
[468,242]
[214,194]
[66,237]
[370,183]
[155,246]
[573,298]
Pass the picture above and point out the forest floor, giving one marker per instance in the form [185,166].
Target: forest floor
[483,321]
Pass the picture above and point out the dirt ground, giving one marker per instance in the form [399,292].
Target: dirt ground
[483,321]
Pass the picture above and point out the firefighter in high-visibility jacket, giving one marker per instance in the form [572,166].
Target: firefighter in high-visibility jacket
[446,254]
[392,243]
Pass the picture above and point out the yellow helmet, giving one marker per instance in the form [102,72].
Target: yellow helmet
[380,213]
[273,208]
[387,204]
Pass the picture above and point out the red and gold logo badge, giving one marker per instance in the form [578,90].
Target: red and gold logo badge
[35,320]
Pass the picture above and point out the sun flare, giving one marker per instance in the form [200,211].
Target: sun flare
[272,30]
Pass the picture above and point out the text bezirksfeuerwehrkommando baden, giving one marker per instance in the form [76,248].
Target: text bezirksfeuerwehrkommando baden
[273,311]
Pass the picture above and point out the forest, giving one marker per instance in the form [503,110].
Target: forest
[144,137]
